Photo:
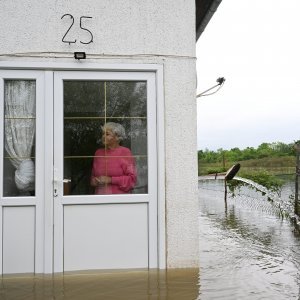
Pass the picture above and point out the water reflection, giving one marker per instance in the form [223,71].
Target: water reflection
[247,251]
[132,285]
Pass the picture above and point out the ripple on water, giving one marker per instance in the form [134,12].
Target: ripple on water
[246,251]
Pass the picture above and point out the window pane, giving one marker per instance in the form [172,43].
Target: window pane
[126,99]
[84,99]
[89,105]
[19,138]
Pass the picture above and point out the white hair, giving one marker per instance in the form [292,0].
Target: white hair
[116,128]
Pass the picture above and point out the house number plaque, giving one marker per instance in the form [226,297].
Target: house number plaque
[65,39]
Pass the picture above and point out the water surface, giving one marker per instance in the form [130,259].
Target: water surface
[173,284]
[247,250]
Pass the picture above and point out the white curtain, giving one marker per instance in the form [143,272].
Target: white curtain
[20,130]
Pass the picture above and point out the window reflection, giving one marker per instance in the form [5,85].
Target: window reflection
[88,106]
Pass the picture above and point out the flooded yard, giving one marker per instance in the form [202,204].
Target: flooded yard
[247,250]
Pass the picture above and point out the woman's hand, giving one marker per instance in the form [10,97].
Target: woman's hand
[102,180]
[105,179]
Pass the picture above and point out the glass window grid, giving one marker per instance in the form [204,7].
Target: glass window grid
[105,119]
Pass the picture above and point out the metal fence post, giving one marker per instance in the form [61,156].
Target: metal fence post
[297,148]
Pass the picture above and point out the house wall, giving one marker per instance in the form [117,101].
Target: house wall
[133,31]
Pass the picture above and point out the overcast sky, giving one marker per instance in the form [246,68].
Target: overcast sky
[255,45]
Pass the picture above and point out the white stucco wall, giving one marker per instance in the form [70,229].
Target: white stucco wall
[120,27]
[132,31]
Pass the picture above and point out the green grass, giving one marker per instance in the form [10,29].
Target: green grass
[273,165]
[263,171]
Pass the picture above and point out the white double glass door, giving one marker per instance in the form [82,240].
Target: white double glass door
[69,200]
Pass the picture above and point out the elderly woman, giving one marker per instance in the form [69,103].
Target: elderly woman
[114,170]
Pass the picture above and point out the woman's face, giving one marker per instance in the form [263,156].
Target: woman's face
[109,139]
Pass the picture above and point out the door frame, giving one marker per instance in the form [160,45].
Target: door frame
[36,202]
[61,201]
[49,68]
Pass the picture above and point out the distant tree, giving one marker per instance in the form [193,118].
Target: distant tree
[249,153]
[264,150]
[234,154]
[275,149]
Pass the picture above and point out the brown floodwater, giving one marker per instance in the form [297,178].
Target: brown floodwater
[175,284]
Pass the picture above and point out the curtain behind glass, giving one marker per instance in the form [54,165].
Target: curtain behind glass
[19,126]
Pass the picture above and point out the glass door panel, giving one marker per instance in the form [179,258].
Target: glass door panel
[105,169]
[22,195]
[89,108]
[19,138]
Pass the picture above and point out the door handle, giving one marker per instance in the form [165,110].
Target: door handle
[57,186]
[55,183]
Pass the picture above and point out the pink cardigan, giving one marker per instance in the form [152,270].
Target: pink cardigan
[117,163]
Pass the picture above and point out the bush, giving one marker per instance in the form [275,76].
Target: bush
[262,177]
